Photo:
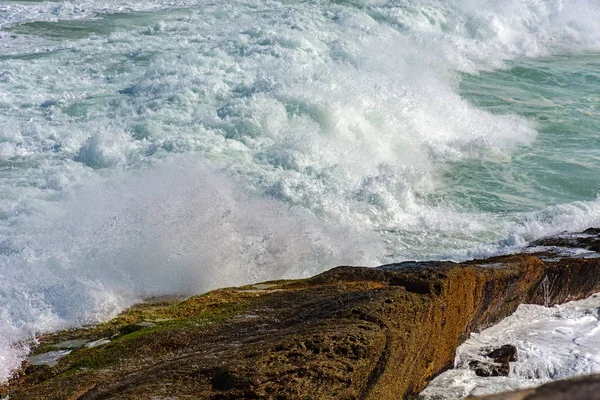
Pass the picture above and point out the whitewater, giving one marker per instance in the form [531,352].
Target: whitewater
[552,343]
[158,147]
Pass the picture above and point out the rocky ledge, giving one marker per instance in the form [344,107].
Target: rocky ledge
[579,388]
[351,332]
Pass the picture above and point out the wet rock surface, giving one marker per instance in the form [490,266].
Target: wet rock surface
[348,333]
[587,240]
[580,388]
[496,362]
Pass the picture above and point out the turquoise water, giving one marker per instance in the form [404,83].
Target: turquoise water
[155,147]
[561,95]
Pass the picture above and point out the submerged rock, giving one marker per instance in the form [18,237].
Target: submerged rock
[351,332]
[503,354]
[497,363]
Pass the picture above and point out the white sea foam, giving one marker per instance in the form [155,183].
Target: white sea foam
[314,134]
[180,228]
[552,343]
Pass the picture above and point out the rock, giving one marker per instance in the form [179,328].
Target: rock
[348,333]
[580,388]
[127,329]
[498,364]
[486,369]
[505,353]
[224,380]
[588,239]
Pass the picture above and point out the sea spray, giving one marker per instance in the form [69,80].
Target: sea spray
[552,343]
[180,228]
[153,147]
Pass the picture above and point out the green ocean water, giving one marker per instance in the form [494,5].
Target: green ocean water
[561,95]
[157,147]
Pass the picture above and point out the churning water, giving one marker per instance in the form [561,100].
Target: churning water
[160,146]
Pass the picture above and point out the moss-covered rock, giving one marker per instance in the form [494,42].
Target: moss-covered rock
[351,332]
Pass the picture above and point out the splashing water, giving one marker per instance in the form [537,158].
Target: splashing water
[158,147]
[552,343]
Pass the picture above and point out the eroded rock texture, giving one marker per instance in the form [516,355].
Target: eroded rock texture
[349,333]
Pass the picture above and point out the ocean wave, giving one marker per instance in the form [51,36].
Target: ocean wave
[157,147]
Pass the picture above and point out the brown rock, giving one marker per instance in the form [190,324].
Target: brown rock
[498,365]
[349,333]
[587,239]
[580,388]
[505,353]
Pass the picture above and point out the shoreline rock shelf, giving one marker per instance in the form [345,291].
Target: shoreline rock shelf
[348,333]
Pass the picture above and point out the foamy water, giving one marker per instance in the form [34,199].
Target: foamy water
[177,146]
[552,343]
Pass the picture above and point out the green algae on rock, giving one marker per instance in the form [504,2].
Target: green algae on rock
[348,333]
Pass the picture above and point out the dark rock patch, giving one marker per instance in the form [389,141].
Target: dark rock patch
[225,380]
[588,239]
[498,363]
[580,388]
